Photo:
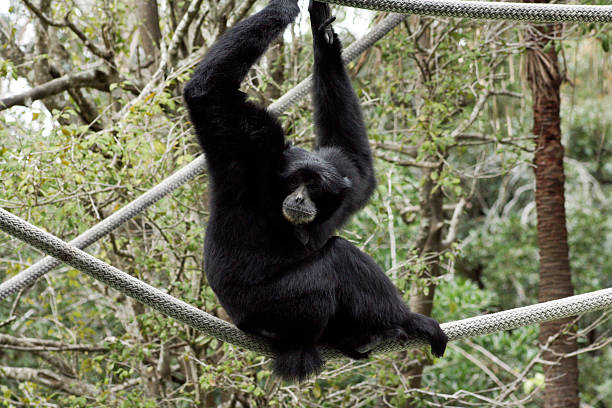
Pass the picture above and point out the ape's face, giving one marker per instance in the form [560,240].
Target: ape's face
[299,206]
[314,186]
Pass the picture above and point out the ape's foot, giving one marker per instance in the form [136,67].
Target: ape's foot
[354,353]
[376,339]
[429,329]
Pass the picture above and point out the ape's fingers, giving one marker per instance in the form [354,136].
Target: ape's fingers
[327,29]
[327,23]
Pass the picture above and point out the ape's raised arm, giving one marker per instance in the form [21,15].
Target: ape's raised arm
[338,119]
[229,59]
[229,127]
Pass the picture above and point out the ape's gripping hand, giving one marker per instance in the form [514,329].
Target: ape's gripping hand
[229,59]
[320,21]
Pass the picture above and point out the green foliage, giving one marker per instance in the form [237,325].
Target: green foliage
[60,174]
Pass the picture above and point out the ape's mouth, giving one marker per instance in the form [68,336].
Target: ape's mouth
[298,215]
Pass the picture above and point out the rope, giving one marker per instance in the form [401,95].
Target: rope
[537,12]
[172,307]
[30,275]
[222,330]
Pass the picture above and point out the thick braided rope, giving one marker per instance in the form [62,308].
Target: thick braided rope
[227,332]
[536,12]
[126,283]
[30,275]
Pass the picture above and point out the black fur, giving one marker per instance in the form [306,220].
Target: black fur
[297,284]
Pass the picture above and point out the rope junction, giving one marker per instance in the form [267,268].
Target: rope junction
[224,331]
[73,255]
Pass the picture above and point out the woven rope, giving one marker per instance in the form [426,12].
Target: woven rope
[536,12]
[222,330]
[227,332]
[33,273]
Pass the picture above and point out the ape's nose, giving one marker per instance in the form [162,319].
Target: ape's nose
[298,198]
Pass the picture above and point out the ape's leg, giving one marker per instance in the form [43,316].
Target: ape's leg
[358,346]
[370,307]
[428,329]
[292,309]
[299,325]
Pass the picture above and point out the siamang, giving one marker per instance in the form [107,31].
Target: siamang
[270,253]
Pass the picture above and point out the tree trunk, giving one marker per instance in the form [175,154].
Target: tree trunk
[150,33]
[429,243]
[561,387]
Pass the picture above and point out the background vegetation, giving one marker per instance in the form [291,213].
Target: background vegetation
[448,108]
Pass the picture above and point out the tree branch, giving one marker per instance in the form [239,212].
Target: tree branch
[102,53]
[406,162]
[179,34]
[167,55]
[33,344]
[48,379]
[93,78]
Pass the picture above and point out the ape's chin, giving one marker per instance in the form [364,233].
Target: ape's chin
[299,215]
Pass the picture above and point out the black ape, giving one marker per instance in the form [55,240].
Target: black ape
[269,253]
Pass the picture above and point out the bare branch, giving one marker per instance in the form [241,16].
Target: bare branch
[33,344]
[96,50]
[166,56]
[49,379]
[454,223]
[105,54]
[41,16]
[93,78]
[179,34]
[406,162]
[411,151]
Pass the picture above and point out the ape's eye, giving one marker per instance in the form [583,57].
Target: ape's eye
[313,186]
[293,183]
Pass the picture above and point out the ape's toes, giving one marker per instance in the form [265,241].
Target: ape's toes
[437,339]
[431,331]
[438,344]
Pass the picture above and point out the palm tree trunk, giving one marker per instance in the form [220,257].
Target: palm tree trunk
[561,386]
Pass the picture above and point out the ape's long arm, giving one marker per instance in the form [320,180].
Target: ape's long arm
[229,59]
[341,134]
[229,127]
[338,119]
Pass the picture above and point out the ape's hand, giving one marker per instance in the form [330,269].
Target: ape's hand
[321,20]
